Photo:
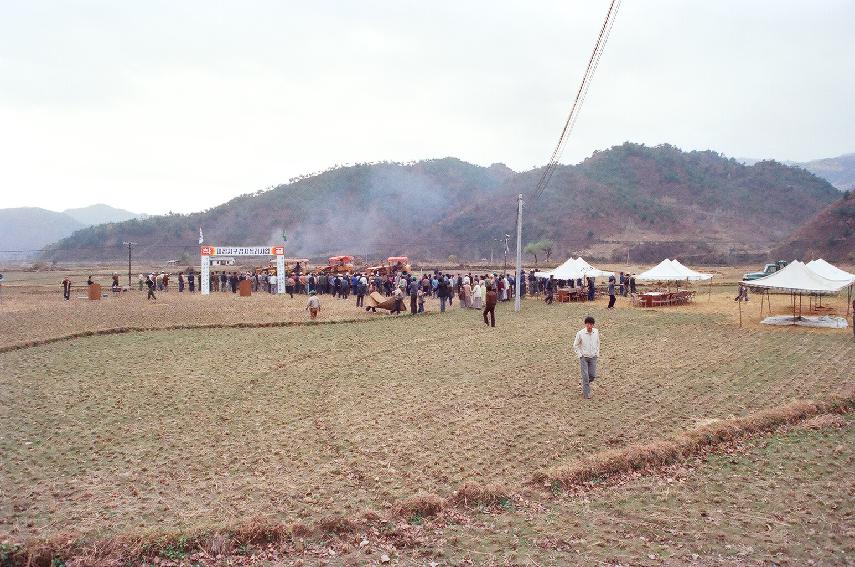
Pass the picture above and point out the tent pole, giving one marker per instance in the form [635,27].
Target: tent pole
[740,313]
[848,299]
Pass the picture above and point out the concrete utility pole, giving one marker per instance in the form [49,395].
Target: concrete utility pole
[519,254]
[129,244]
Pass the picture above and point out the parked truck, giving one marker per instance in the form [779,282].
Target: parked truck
[768,270]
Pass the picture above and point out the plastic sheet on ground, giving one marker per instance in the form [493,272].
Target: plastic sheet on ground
[822,321]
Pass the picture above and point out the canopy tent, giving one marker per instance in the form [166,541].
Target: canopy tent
[830,272]
[590,271]
[796,279]
[691,274]
[566,271]
[574,269]
[669,271]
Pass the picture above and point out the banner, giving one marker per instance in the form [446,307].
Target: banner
[243,250]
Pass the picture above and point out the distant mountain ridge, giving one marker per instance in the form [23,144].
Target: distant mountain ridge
[24,231]
[839,171]
[632,199]
[100,213]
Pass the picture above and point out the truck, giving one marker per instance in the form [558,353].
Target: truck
[339,265]
[768,270]
[393,264]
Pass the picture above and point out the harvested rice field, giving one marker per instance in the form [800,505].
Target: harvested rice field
[193,429]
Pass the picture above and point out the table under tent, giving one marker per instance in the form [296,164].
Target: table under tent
[668,271]
[798,280]
[573,270]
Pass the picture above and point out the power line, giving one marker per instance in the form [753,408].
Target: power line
[581,93]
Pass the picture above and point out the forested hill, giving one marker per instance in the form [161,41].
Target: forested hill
[829,235]
[630,197]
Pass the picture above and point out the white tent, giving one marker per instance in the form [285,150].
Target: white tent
[834,273]
[796,277]
[574,269]
[568,269]
[590,271]
[691,274]
[829,271]
[669,271]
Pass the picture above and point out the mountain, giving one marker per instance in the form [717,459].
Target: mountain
[355,209]
[839,171]
[31,228]
[648,202]
[656,202]
[26,230]
[829,235]
[99,214]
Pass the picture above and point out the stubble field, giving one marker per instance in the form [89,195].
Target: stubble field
[186,429]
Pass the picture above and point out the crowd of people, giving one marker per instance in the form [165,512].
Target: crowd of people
[470,290]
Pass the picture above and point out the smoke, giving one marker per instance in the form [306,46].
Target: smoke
[381,210]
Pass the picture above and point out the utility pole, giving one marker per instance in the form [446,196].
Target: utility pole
[519,254]
[507,238]
[129,244]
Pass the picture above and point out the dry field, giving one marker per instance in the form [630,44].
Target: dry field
[193,428]
[784,499]
[32,308]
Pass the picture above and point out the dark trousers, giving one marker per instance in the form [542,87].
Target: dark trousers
[492,311]
[611,301]
[66,293]
[549,297]
[360,299]
[150,294]
[413,308]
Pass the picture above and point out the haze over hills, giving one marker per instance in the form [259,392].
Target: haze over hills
[32,228]
[646,201]
[26,230]
[100,213]
[839,171]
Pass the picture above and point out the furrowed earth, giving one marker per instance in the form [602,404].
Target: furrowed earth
[192,429]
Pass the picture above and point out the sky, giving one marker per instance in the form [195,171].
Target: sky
[163,106]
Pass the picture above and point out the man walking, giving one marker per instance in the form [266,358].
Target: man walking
[490,306]
[66,288]
[441,291]
[150,282]
[586,345]
[612,292]
[550,290]
[414,295]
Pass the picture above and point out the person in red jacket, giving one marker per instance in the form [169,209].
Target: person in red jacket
[490,306]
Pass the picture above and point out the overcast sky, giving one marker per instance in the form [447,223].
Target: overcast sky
[163,105]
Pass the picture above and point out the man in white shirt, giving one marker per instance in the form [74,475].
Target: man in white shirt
[587,348]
